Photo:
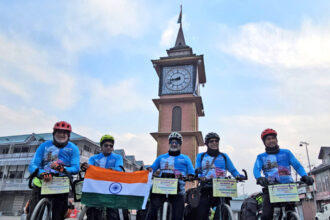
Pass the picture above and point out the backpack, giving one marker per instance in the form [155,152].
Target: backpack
[250,208]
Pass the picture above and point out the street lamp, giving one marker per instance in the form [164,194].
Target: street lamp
[302,143]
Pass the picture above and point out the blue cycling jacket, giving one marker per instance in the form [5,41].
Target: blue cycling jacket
[47,153]
[277,167]
[113,161]
[178,165]
[219,167]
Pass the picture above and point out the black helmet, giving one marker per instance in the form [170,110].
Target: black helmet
[211,135]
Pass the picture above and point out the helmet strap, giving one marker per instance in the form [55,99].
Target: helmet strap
[213,152]
[272,150]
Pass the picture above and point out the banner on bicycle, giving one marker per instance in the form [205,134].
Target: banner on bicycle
[224,188]
[283,193]
[108,188]
[57,185]
[165,186]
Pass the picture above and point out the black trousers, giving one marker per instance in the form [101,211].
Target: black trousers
[205,203]
[267,207]
[157,200]
[59,203]
[96,213]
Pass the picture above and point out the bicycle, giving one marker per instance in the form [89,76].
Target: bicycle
[43,209]
[163,188]
[222,211]
[284,210]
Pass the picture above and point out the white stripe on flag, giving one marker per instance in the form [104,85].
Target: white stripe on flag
[103,187]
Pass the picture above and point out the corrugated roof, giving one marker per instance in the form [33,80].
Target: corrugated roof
[43,136]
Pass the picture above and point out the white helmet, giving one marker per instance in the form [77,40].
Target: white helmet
[175,135]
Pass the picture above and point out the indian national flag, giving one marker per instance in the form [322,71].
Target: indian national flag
[109,188]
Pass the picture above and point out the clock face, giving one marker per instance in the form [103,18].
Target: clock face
[177,79]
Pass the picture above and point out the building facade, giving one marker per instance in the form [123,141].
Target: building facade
[322,178]
[16,153]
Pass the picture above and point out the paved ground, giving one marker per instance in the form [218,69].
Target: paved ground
[18,218]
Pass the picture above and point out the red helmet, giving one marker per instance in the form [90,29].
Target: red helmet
[62,125]
[267,132]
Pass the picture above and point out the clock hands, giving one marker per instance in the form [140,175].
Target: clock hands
[174,79]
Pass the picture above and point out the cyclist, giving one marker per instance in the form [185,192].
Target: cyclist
[171,163]
[109,160]
[54,157]
[212,164]
[276,166]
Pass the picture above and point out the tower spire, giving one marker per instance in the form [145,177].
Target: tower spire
[180,42]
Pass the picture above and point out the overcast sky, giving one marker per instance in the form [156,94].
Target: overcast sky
[88,62]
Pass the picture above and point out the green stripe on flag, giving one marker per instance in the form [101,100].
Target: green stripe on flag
[112,201]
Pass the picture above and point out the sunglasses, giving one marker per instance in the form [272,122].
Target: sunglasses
[107,145]
[174,142]
[213,141]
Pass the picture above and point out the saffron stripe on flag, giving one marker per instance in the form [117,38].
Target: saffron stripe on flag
[99,173]
[112,201]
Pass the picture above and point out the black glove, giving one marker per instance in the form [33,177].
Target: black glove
[307,179]
[262,181]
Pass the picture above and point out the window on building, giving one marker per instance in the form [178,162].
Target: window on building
[4,150]
[17,150]
[176,118]
[1,171]
[25,149]
[87,148]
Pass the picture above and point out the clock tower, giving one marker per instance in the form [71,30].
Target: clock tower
[179,104]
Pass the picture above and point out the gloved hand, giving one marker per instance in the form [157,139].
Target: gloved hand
[47,177]
[307,179]
[84,166]
[240,177]
[262,181]
[57,166]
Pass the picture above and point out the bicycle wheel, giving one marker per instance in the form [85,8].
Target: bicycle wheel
[293,216]
[42,211]
[165,212]
[225,212]
[83,215]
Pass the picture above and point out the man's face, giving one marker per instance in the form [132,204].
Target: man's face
[107,148]
[270,141]
[174,145]
[61,136]
[213,144]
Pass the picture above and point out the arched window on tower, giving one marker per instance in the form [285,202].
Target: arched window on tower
[176,118]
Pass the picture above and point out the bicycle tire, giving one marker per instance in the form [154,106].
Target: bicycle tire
[161,215]
[83,214]
[293,216]
[225,212]
[39,210]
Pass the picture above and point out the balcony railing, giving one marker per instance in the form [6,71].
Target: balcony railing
[14,185]
[16,155]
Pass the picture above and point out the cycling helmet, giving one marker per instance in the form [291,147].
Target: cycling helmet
[62,125]
[266,132]
[175,135]
[210,136]
[107,137]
